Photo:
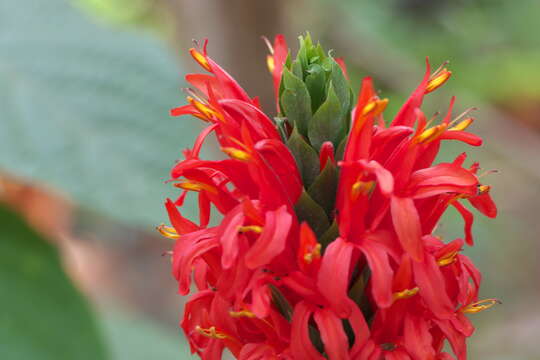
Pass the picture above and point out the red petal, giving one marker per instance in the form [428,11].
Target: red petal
[185,252]
[280,55]
[272,240]
[228,86]
[359,139]
[381,272]
[360,329]
[468,218]
[180,223]
[407,225]
[326,153]
[456,339]
[228,236]
[204,210]
[484,203]
[406,115]
[301,346]
[430,280]
[334,275]
[281,171]
[443,174]
[464,136]
[417,338]
[183,110]
[333,336]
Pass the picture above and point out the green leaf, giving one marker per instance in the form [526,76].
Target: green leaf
[341,149]
[326,124]
[295,101]
[324,188]
[316,85]
[306,158]
[44,317]
[329,235]
[297,69]
[281,302]
[309,211]
[85,109]
[341,87]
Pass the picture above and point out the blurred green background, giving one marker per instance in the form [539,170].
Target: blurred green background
[86,143]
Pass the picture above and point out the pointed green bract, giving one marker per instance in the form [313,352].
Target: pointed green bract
[326,124]
[324,188]
[305,156]
[295,101]
[315,95]
[309,211]
[316,101]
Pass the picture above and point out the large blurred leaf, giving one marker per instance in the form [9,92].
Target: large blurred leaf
[84,108]
[43,316]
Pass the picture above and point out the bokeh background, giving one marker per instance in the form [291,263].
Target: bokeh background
[86,142]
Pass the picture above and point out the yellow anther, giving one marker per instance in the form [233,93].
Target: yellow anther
[196,186]
[242,313]
[167,231]
[315,254]
[482,189]
[361,188]
[405,294]
[447,259]
[437,80]
[375,107]
[253,228]
[480,306]
[200,58]
[206,112]
[270,63]
[430,134]
[236,154]
[211,332]
[462,125]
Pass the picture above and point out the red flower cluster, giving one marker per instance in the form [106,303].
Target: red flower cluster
[385,288]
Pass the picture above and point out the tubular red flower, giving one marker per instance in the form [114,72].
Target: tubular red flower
[339,262]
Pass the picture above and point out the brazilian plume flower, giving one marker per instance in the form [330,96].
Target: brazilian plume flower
[325,242]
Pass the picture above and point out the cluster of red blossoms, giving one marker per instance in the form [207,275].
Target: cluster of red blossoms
[266,286]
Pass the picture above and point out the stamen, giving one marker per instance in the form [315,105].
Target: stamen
[196,186]
[211,332]
[361,188]
[268,44]
[270,63]
[481,305]
[167,231]
[462,125]
[205,110]
[236,154]
[253,228]
[242,313]
[375,107]
[488,172]
[405,294]
[447,259]
[462,115]
[314,254]
[446,62]
[483,189]
[431,134]
[437,80]
[200,58]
